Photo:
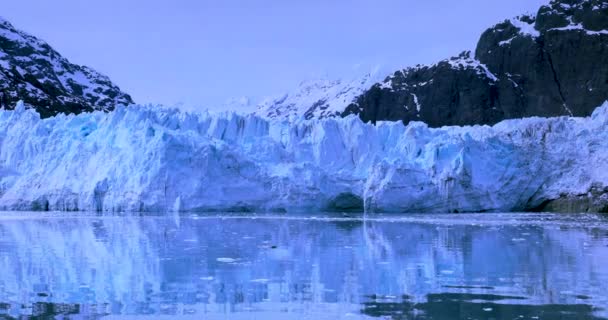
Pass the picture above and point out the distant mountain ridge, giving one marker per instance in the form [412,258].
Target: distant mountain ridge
[319,98]
[552,64]
[32,71]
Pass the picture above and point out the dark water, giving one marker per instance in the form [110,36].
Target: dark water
[510,266]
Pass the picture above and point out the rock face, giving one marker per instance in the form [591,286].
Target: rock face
[553,64]
[151,159]
[30,70]
[595,200]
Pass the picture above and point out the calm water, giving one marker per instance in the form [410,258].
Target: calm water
[498,266]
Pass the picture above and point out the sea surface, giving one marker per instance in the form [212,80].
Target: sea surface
[314,266]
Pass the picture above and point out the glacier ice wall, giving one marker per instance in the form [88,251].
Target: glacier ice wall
[144,158]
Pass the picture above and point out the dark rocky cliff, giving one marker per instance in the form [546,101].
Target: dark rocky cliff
[551,64]
[30,70]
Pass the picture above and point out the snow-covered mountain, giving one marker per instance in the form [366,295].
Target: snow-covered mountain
[146,158]
[319,98]
[549,64]
[32,71]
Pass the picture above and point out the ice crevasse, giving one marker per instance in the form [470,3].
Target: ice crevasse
[145,158]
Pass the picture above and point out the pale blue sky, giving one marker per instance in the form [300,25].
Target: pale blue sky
[204,52]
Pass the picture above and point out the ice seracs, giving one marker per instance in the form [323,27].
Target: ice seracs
[148,159]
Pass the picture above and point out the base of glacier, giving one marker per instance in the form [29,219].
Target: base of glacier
[145,158]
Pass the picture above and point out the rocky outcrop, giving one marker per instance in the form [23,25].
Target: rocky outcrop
[595,200]
[30,70]
[551,64]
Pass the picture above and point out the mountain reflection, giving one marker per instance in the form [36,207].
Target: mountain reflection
[288,268]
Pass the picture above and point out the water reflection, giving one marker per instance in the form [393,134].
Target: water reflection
[476,306]
[419,267]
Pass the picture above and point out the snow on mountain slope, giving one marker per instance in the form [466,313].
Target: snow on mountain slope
[318,98]
[146,158]
[32,71]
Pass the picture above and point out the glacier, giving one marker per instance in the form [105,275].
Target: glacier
[146,158]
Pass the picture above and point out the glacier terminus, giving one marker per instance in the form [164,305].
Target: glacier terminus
[145,158]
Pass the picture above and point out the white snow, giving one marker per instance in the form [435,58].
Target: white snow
[4,64]
[146,158]
[505,42]
[320,98]
[465,62]
[418,106]
[387,84]
[510,77]
[526,29]
[579,27]
[567,109]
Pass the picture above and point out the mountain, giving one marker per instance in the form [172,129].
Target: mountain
[30,70]
[152,159]
[319,98]
[551,64]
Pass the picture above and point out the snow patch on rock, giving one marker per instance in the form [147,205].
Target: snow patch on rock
[525,28]
[465,61]
[579,27]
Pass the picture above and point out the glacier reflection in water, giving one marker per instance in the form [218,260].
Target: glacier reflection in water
[501,266]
